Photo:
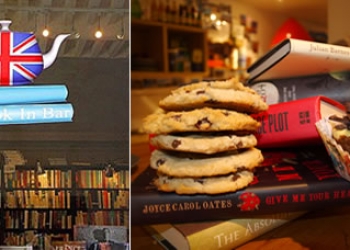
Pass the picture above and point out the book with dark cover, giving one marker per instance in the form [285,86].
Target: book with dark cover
[334,86]
[289,180]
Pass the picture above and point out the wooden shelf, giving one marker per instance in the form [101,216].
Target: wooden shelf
[152,43]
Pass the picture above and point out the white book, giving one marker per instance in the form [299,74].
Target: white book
[295,57]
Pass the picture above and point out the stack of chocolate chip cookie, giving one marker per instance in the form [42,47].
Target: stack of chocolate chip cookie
[204,138]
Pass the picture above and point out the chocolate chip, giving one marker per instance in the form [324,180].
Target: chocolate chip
[242,168]
[160,162]
[235,177]
[202,122]
[211,101]
[176,143]
[200,92]
[176,117]
[226,113]
[340,126]
[201,181]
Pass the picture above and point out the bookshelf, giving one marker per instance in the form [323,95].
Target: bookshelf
[157,57]
[52,203]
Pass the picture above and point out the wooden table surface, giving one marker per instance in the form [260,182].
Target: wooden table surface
[321,230]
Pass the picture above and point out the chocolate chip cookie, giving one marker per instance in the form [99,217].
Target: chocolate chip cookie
[198,120]
[199,165]
[237,100]
[205,143]
[209,185]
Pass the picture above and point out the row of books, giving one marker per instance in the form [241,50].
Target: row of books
[32,238]
[25,219]
[98,179]
[30,179]
[56,199]
[55,178]
[38,199]
[112,217]
[303,82]
[61,219]
[102,199]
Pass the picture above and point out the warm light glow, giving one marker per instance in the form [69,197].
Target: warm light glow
[98,34]
[218,23]
[46,32]
[212,17]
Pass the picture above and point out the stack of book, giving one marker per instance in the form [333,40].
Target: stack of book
[297,175]
[34,104]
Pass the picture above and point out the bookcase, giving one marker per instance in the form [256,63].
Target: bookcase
[51,202]
[160,50]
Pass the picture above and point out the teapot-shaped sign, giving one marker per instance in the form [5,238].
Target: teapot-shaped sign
[20,56]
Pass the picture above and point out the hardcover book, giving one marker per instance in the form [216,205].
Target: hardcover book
[33,94]
[289,179]
[334,86]
[293,123]
[294,57]
[226,234]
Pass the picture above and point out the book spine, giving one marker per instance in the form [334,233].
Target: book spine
[290,89]
[33,94]
[278,188]
[35,113]
[286,124]
[228,234]
[231,234]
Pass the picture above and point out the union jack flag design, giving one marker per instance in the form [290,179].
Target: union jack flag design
[20,58]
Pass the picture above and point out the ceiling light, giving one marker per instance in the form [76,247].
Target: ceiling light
[98,33]
[46,31]
[122,31]
[75,33]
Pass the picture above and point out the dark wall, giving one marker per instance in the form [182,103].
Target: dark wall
[99,91]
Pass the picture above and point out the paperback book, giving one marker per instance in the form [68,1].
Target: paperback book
[289,180]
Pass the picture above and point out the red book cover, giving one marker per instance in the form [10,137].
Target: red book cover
[293,123]
[289,180]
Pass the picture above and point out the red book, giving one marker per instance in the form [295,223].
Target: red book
[293,123]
